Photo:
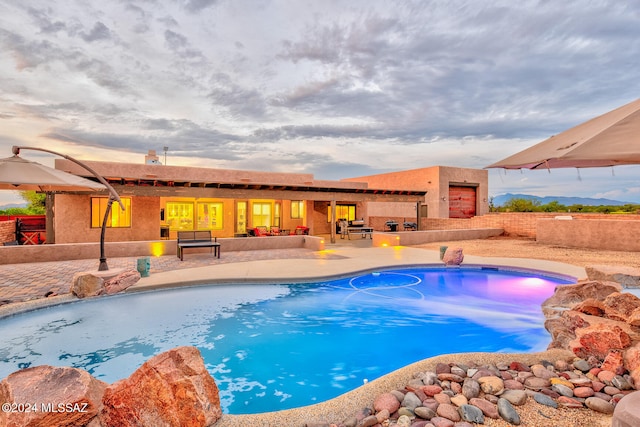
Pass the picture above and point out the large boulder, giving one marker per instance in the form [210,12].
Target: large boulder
[620,306]
[565,297]
[170,389]
[87,285]
[62,397]
[100,283]
[121,282]
[599,338]
[453,257]
[628,277]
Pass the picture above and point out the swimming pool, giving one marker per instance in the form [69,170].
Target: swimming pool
[273,347]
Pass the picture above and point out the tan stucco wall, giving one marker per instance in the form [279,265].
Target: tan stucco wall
[436,180]
[72,220]
[616,235]
[64,252]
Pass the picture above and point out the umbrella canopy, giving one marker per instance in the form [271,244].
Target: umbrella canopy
[607,140]
[19,174]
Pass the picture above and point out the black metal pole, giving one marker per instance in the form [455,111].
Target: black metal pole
[103,259]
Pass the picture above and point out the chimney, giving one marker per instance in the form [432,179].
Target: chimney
[151,158]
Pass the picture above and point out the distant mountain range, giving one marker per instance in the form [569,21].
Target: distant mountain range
[501,199]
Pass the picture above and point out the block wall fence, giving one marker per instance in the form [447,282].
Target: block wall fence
[520,224]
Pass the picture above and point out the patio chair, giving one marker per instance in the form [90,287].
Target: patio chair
[274,231]
[300,230]
[260,231]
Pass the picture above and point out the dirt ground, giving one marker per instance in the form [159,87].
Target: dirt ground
[503,246]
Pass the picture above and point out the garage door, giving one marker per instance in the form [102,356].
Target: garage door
[462,202]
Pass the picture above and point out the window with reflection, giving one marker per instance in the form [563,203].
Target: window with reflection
[117,217]
[210,216]
[179,215]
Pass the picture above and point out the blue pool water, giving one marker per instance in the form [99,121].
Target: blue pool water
[273,347]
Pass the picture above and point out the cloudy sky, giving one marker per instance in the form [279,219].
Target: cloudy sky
[333,88]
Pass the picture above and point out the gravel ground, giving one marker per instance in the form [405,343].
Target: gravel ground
[528,248]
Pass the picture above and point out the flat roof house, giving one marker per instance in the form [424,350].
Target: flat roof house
[162,200]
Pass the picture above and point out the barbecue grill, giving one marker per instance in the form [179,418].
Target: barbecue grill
[410,226]
[391,225]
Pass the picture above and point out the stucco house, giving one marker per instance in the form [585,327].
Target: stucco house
[161,200]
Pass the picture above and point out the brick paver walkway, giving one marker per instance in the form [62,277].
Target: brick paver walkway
[23,282]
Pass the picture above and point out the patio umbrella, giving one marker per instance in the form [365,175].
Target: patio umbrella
[19,174]
[608,140]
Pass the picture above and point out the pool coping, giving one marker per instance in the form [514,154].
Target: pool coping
[349,261]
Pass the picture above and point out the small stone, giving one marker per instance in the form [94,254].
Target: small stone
[488,409]
[458,371]
[369,421]
[491,398]
[599,405]
[583,392]
[611,390]
[406,412]
[442,398]
[431,403]
[542,372]
[562,381]
[448,411]
[386,401]
[442,422]
[535,383]
[513,385]
[547,392]
[431,390]
[459,400]
[383,415]
[470,388]
[543,399]
[450,377]
[491,385]
[561,365]
[411,401]
[568,402]
[562,390]
[604,396]
[515,397]
[581,365]
[403,421]
[517,366]
[424,412]
[507,412]
[581,382]
[621,383]
[606,377]
[471,414]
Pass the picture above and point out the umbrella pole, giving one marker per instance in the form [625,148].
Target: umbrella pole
[103,259]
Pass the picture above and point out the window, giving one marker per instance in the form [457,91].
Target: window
[347,212]
[209,216]
[179,215]
[117,217]
[261,215]
[297,209]
[276,214]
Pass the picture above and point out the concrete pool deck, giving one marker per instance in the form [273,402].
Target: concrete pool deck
[335,262]
[26,286]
